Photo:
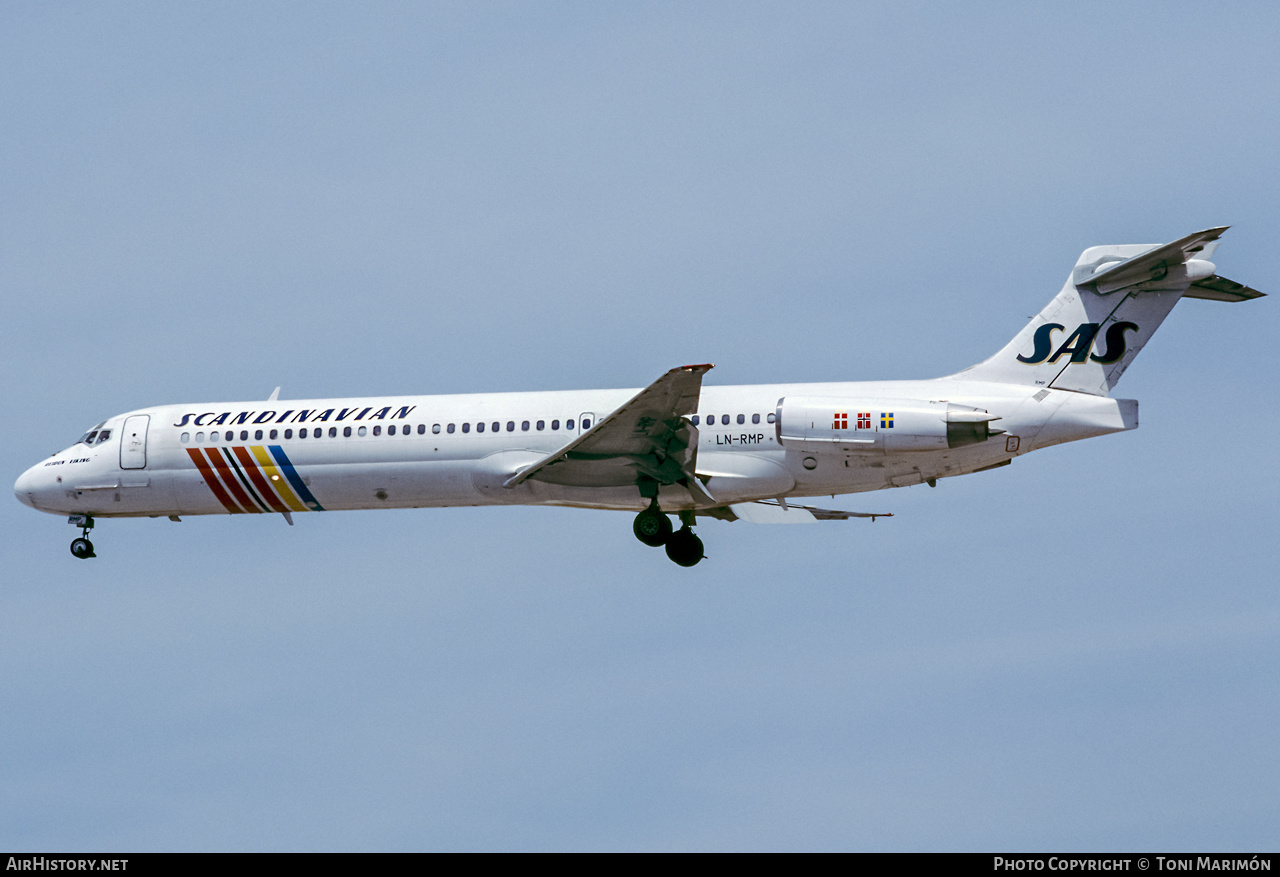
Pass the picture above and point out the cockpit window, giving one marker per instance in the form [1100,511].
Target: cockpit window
[95,435]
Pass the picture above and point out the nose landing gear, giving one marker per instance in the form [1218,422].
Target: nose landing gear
[653,528]
[82,547]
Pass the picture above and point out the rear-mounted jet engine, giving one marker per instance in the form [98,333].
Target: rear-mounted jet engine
[826,425]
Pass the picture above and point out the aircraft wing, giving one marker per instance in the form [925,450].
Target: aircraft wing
[649,435]
[772,512]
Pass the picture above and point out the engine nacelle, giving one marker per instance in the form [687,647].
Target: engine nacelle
[829,425]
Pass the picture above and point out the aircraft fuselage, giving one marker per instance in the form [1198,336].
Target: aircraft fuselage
[435,451]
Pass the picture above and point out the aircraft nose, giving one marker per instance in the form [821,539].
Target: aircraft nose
[27,487]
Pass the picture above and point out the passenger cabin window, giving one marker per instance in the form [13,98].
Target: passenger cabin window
[755,418]
[302,433]
[346,432]
[555,424]
[480,426]
[541,425]
[449,429]
[466,427]
[377,430]
[213,436]
[568,424]
[435,428]
[511,426]
[288,433]
[496,425]
[391,430]
[333,432]
[274,434]
[772,417]
[186,437]
[199,436]
[695,420]
[742,418]
[524,426]
[257,435]
[364,430]
[586,424]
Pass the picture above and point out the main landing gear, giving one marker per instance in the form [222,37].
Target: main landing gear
[82,547]
[653,528]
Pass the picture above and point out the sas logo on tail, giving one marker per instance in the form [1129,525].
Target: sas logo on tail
[1079,343]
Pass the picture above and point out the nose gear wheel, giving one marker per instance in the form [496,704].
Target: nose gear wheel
[82,547]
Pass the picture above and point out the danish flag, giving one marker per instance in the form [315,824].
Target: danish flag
[842,420]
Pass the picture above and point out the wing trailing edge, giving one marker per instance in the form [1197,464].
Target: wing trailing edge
[768,511]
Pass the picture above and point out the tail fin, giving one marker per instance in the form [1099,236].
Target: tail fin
[1113,302]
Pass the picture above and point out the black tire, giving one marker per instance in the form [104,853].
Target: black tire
[652,527]
[82,548]
[685,548]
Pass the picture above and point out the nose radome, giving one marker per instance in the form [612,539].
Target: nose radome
[25,486]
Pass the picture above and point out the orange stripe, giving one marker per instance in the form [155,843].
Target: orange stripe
[212,480]
[229,479]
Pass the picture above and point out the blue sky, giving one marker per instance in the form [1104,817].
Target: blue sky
[1078,651]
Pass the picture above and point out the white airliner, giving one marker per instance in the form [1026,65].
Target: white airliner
[675,447]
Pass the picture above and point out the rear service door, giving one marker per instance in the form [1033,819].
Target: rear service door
[133,442]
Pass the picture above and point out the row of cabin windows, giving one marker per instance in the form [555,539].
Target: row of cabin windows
[317,432]
[525,426]
[725,419]
[406,429]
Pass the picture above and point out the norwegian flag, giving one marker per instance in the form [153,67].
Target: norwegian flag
[864,420]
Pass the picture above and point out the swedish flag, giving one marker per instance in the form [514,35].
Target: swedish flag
[886,420]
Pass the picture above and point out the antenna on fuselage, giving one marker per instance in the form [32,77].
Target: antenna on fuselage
[275,394]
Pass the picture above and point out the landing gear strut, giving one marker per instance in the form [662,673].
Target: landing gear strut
[82,547]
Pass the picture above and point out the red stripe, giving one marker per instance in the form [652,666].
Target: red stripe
[250,467]
[229,479]
[212,480]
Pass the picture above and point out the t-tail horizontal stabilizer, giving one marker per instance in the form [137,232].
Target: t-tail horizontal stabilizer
[1110,306]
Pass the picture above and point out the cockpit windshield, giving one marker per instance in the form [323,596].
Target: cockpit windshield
[95,436]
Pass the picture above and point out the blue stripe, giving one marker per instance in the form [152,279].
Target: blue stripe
[294,479]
